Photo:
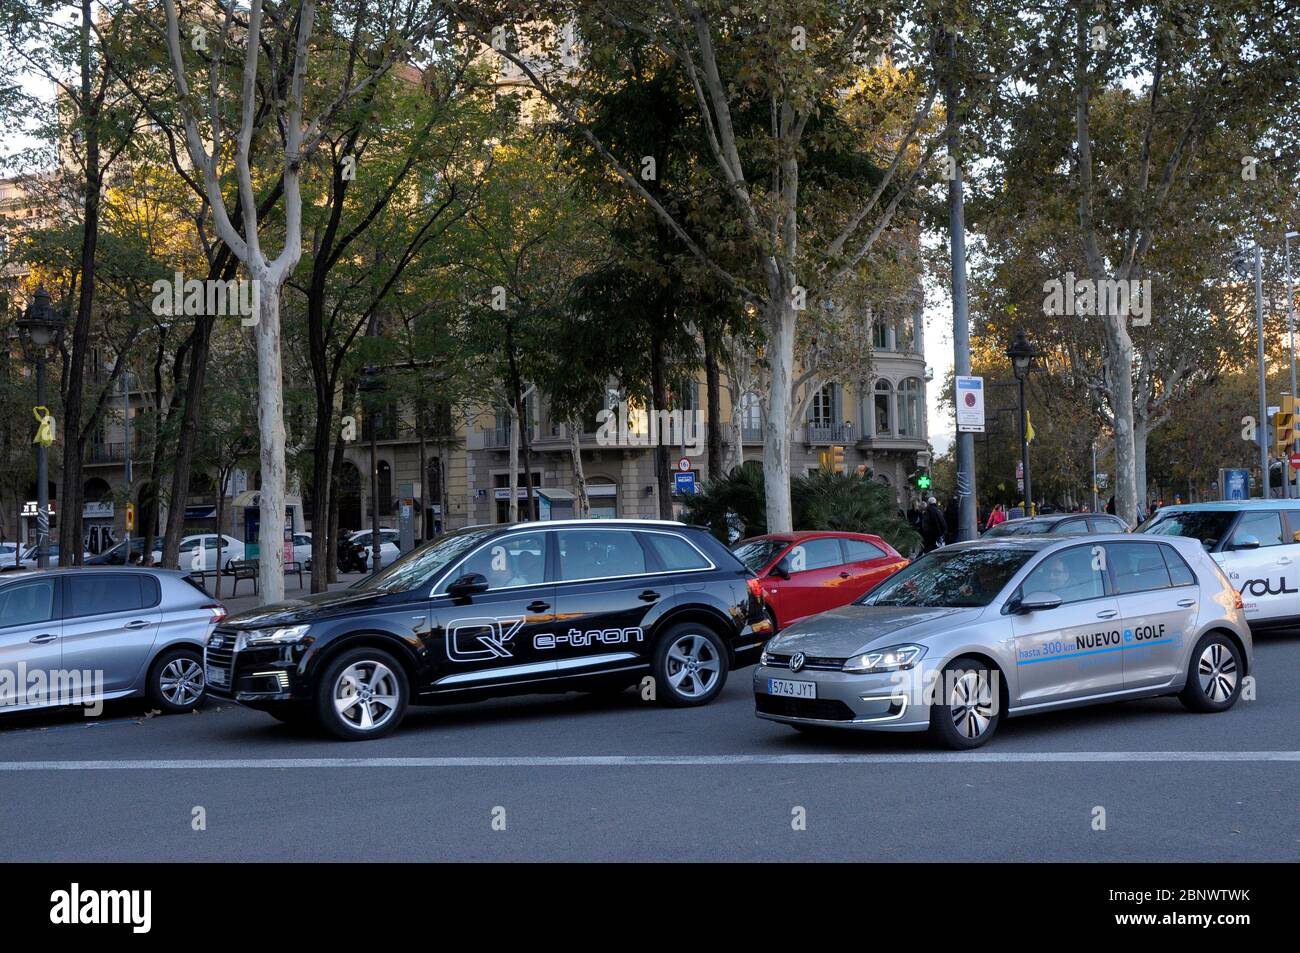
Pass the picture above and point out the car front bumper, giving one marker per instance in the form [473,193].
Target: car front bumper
[889,701]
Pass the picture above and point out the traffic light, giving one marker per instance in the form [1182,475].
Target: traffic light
[837,459]
[1284,429]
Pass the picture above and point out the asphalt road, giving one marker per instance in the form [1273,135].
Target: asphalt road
[573,777]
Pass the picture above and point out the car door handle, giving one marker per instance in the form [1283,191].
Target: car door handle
[845,575]
[648,596]
[537,606]
[42,639]
[1284,561]
[137,624]
[1107,613]
[1186,603]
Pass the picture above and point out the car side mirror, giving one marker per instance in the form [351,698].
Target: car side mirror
[1246,542]
[1037,602]
[782,569]
[469,584]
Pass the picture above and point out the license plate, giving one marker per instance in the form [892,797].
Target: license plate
[785,688]
[216,676]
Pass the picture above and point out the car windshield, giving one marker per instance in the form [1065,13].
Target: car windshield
[1209,526]
[954,578]
[421,565]
[1020,529]
[757,553]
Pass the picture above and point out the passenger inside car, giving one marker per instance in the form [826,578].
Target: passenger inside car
[1070,575]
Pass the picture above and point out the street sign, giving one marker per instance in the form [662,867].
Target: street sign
[970,404]
[1295,461]
[1235,483]
[684,465]
[1020,471]
[684,483]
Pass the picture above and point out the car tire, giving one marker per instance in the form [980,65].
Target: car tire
[1214,674]
[374,682]
[175,681]
[968,711]
[690,665]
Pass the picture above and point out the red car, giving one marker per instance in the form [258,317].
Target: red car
[802,574]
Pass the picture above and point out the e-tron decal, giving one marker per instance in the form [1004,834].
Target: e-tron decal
[545,640]
[481,639]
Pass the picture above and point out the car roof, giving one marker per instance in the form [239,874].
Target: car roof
[1229,506]
[71,570]
[801,534]
[1038,542]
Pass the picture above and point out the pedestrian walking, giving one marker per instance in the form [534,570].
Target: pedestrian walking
[933,526]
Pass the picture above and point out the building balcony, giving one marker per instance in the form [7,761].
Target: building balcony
[826,434]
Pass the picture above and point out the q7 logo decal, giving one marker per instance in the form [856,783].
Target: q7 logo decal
[481,640]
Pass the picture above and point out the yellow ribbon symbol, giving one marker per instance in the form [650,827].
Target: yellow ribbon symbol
[45,426]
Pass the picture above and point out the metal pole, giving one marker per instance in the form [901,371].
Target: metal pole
[967,498]
[42,476]
[1024,448]
[1293,484]
[1265,427]
[1094,476]
[126,451]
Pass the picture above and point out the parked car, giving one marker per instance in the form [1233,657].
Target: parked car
[1257,544]
[506,609]
[389,549]
[809,572]
[101,634]
[980,630]
[1058,524]
[28,559]
[302,549]
[116,555]
[198,553]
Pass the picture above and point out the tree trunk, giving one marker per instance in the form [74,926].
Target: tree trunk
[270,425]
[778,421]
[513,507]
[713,394]
[70,498]
[320,494]
[1119,362]
[1141,431]
[736,448]
[198,369]
[581,502]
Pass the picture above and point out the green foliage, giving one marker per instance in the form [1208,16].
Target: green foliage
[822,500]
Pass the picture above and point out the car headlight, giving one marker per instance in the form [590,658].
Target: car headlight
[896,658]
[765,658]
[283,635]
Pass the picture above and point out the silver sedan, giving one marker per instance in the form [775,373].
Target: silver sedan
[82,636]
[979,630]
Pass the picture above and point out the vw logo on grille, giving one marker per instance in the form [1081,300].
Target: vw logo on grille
[796,661]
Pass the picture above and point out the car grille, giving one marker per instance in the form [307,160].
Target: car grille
[811,662]
[823,709]
[223,657]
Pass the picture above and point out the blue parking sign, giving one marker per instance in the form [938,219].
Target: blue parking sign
[684,483]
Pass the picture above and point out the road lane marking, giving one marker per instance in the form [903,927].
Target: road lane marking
[705,760]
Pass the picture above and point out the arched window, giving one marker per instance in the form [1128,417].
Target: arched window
[909,408]
[883,408]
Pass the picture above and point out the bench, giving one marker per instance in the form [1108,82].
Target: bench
[247,569]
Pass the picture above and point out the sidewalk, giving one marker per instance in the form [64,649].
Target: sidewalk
[246,599]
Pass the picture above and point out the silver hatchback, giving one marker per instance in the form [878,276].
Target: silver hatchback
[81,636]
[1012,626]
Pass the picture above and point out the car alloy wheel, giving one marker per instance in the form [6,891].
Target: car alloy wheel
[970,705]
[693,666]
[181,681]
[366,695]
[1217,672]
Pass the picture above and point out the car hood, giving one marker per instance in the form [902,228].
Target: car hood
[316,605]
[852,630]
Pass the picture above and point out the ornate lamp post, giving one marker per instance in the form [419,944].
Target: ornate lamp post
[40,326]
[1022,355]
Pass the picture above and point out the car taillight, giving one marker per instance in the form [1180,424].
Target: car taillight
[755,589]
[218,611]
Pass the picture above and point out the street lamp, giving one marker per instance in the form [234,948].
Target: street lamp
[1291,489]
[40,326]
[1242,264]
[1022,355]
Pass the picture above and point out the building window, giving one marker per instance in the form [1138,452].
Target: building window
[822,411]
[602,495]
[882,408]
[909,408]
[880,336]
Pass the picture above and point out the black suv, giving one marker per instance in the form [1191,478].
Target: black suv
[500,610]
